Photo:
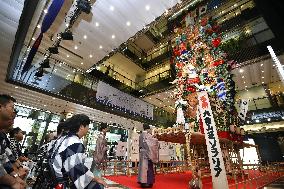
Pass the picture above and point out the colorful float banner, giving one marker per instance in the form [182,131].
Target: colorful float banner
[218,171]
[243,108]
[115,98]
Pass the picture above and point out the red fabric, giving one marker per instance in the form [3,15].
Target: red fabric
[201,125]
[181,180]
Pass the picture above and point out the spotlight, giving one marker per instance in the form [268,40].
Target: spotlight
[45,63]
[53,50]
[84,6]
[39,73]
[67,35]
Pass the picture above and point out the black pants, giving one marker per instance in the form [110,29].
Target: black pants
[5,187]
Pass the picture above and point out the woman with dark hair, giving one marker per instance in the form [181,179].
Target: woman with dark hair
[66,157]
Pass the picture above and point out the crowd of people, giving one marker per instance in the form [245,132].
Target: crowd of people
[62,157]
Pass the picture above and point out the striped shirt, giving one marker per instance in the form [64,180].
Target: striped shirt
[16,148]
[70,160]
[6,156]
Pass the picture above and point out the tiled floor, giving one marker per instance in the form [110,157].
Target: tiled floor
[276,185]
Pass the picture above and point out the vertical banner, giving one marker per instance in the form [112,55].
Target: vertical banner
[243,108]
[217,167]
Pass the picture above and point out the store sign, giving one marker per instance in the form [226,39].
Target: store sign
[243,108]
[217,167]
[115,98]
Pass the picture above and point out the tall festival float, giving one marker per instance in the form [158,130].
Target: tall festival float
[205,99]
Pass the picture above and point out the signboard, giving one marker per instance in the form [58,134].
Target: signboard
[218,172]
[115,98]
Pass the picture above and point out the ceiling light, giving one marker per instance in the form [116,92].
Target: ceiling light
[53,98]
[111,8]
[246,86]
[262,82]
[247,121]
[262,77]
[97,24]
[262,71]
[67,56]
[16,87]
[85,37]
[282,117]
[257,121]
[82,63]
[241,71]
[101,47]
[147,7]
[261,64]
[128,23]
[243,76]
[38,26]
[244,82]
[268,119]
[91,56]
[113,36]
[45,11]
[76,47]
[33,39]
[150,98]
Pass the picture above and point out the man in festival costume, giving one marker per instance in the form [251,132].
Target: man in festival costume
[100,153]
[148,155]
[8,178]
[67,158]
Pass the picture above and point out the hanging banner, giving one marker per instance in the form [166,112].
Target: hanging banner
[115,98]
[218,172]
[48,20]
[243,108]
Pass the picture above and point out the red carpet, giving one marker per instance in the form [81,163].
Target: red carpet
[181,180]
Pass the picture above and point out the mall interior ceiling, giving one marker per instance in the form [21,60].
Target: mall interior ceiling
[134,54]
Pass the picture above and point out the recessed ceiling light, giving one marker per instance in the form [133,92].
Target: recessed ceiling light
[261,64]
[97,24]
[82,63]
[53,98]
[33,38]
[16,87]
[101,47]
[247,121]
[45,11]
[111,8]
[241,71]
[150,98]
[262,82]
[262,77]
[76,47]
[113,36]
[243,76]
[85,36]
[67,55]
[91,56]
[262,71]
[246,86]
[268,119]
[147,7]
[38,26]
[128,23]
[74,71]
[257,121]
[244,82]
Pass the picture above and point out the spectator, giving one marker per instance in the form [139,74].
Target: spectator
[16,136]
[7,116]
[67,157]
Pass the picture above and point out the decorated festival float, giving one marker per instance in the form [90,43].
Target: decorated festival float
[208,124]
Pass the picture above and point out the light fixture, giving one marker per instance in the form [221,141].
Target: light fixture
[67,35]
[38,26]
[261,64]
[128,23]
[33,39]
[39,73]
[262,77]
[91,56]
[243,76]
[113,36]
[241,71]
[97,24]
[262,82]
[45,63]
[45,11]
[85,36]
[76,47]
[282,117]
[147,7]
[82,63]
[53,50]
[84,6]
[247,121]
[16,87]
[262,71]
[111,8]
[67,56]
[257,121]
[101,47]
[268,119]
